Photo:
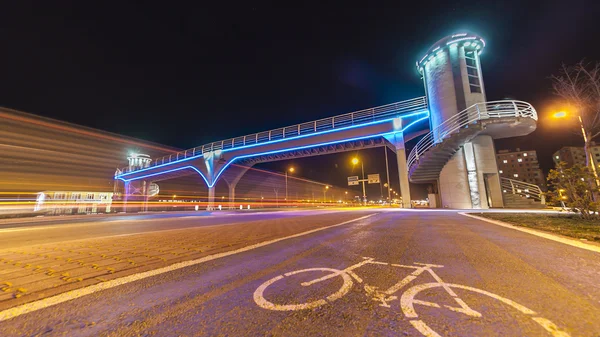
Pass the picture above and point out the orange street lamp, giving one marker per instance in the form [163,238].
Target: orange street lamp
[324,192]
[291,170]
[560,114]
[564,114]
[362,166]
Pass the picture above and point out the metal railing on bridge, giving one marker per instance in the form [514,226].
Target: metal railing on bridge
[472,114]
[336,122]
[523,189]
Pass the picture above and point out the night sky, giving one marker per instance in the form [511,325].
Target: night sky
[187,75]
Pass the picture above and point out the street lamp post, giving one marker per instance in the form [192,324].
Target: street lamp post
[362,166]
[324,192]
[291,169]
[563,114]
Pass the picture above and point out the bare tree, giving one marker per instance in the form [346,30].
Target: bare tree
[579,86]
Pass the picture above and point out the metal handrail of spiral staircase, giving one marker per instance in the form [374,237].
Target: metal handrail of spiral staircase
[523,189]
[472,114]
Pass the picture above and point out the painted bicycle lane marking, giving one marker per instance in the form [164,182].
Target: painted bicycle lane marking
[407,299]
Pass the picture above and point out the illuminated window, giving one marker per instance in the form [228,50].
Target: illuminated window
[524,154]
[516,175]
[519,160]
[500,172]
[90,196]
[505,161]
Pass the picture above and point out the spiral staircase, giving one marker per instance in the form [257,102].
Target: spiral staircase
[499,119]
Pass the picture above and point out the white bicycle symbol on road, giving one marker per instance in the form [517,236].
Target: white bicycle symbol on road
[407,299]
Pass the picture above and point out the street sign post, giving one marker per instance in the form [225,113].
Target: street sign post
[353,181]
[373,179]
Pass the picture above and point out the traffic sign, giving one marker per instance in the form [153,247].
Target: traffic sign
[352,180]
[373,179]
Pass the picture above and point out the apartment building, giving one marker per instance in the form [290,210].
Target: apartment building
[520,165]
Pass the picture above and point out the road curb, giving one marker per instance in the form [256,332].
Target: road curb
[570,242]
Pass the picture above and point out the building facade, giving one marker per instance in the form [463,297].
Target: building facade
[576,155]
[71,202]
[521,165]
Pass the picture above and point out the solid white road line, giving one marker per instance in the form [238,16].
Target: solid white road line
[97,223]
[73,294]
[570,242]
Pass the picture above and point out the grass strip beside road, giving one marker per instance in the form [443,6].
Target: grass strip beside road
[563,224]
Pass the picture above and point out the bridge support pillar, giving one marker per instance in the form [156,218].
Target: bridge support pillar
[232,176]
[145,185]
[125,195]
[211,199]
[397,139]
[232,196]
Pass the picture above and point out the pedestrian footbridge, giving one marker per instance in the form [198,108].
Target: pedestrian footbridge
[389,125]
[456,156]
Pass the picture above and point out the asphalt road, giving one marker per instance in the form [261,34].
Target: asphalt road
[406,273]
[42,230]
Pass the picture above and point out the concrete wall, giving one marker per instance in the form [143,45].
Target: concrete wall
[485,160]
[453,184]
[457,191]
[440,89]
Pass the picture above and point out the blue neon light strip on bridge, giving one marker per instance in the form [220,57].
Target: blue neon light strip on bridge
[120,177]
[281,140]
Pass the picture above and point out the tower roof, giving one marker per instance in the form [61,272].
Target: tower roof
[468,40]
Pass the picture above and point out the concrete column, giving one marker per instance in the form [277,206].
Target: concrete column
[477,194]
[454,184]
[231,196]
[232,176]
[145,186]
[125,195]
[488,177]
[397,139]
[211,198]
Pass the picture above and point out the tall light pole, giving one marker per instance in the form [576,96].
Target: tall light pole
[588,154]
[291,169]
[325,191]
[362,166]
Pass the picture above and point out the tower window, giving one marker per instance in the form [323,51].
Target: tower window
[472,73]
